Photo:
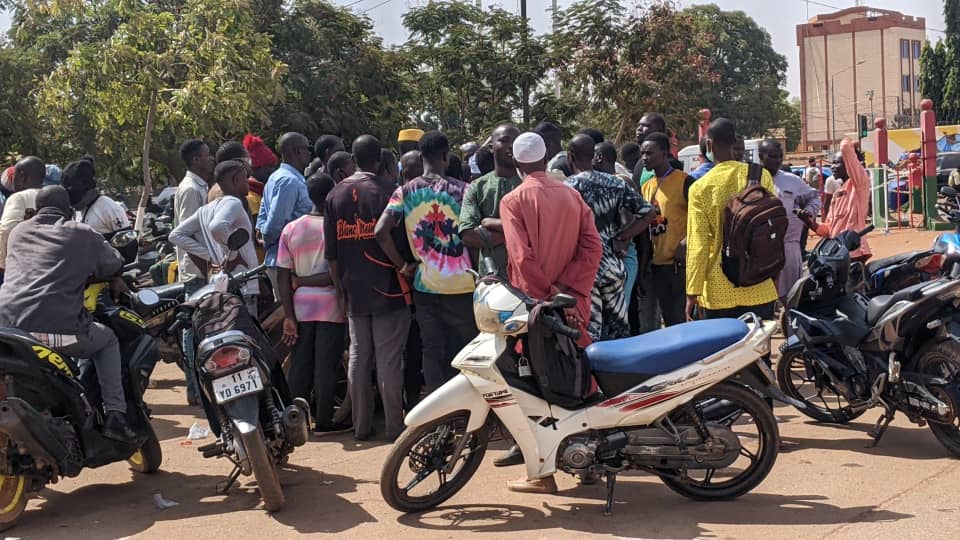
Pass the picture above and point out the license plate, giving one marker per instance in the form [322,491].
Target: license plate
[237,384]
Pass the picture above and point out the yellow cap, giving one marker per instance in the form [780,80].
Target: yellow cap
[410,135]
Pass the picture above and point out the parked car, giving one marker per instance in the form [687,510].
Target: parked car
[947,162]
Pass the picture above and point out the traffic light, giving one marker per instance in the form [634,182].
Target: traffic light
[864,131]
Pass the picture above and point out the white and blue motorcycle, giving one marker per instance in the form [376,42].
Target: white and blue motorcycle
[684,403]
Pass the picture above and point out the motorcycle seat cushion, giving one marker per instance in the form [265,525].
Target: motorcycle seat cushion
[876,265]
[881,304]
[665,350]
[169,291]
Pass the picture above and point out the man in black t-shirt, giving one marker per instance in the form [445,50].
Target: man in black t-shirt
[369,290]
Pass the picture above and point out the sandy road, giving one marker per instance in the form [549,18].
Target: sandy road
[825,484]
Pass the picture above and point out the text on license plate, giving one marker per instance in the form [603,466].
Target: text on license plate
[237,384]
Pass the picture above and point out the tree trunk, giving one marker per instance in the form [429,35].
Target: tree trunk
[147,179]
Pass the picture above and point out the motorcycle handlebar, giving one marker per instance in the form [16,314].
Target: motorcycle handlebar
[559,327]
[865,231]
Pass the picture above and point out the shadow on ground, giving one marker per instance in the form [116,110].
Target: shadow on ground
[904,442]
[314,504]
[638,512]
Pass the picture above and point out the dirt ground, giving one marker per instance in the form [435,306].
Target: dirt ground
[825,484]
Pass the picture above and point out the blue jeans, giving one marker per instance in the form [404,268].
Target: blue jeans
[189,349]
[633,268]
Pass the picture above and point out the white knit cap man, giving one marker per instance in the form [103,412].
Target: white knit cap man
[529,148]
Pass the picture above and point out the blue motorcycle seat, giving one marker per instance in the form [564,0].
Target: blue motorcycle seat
[665,350]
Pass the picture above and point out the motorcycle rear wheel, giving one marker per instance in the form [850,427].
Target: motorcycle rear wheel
[264,470]
[425,449]
[792,376]
[760,462]
[147,458]
[943,360]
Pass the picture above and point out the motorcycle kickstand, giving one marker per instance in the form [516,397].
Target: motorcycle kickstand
[611,481]
[882,423]
[232,479]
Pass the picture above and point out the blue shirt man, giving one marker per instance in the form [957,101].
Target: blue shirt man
[285,196]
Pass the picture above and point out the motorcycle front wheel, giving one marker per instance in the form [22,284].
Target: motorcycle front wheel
[148,457]
[750,418]
[943,360]
[264,470]
[414,479]
[798,378]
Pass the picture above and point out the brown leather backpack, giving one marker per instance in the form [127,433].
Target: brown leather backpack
[754,229]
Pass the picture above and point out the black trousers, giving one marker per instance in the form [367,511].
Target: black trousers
[446,326]
[764,311]
[314,366]
[669,288]
[412,366]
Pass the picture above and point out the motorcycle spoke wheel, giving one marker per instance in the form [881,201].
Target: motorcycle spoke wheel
[943,360]
[415,477]
[803,380]
[755,427]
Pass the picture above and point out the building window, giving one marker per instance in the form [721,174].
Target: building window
[904,48]
[916,49]
[916,85]
[905,84]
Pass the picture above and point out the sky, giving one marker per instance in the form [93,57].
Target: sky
[778,17]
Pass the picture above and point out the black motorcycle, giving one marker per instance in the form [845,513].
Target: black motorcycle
[848,353]
[243,389]
[50,409]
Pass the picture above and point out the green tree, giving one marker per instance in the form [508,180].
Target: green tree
[340,79]
[788,114]
[750,72]
[951,60]
[933,72]
[616,65]
[196,68]
[469,65]
[20,133]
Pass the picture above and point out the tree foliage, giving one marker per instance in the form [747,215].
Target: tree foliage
[82,76]
[749,72]
[933,72]
[469,65]
[202,68]
[340,78]
[618,65]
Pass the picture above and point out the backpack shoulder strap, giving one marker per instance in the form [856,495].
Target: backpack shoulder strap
[754,174]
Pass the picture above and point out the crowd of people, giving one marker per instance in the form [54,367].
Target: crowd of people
[377,249]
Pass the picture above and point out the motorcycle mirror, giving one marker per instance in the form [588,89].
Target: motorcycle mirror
[948,191]
[123,238]
[148,297]
[564,301]
[238,239]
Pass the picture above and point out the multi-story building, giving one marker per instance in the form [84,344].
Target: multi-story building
[857,61]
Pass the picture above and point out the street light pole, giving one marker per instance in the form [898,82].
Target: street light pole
[526,84]
[869,94]
[833,104]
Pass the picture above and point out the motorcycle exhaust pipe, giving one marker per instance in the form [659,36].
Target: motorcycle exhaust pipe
[295,425]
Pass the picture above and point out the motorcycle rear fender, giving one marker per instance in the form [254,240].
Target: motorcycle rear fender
[458,394]
[244,412]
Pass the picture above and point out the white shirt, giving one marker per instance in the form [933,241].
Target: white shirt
[204,235]
[14,211]
[104,215]
[191,195]
[832,185]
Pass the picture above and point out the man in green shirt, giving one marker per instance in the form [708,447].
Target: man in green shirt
[480,226]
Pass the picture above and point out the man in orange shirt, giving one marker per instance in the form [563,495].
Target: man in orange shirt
[552,247]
